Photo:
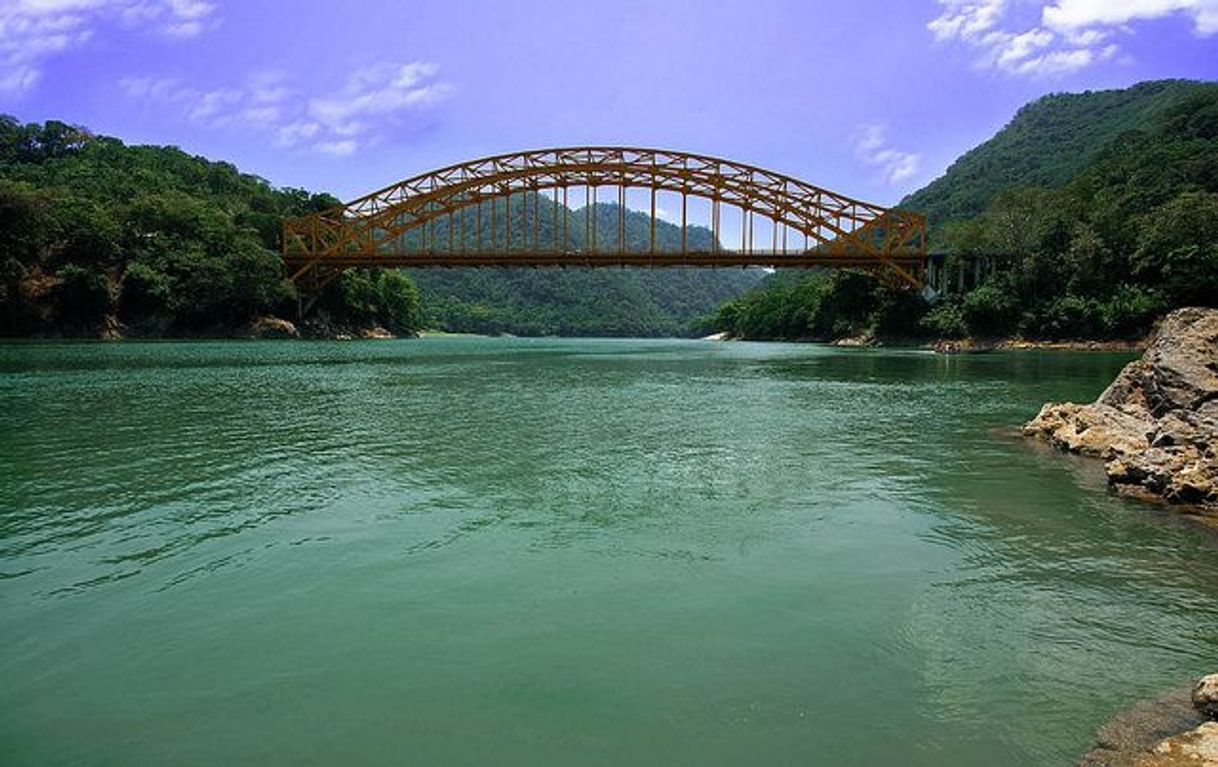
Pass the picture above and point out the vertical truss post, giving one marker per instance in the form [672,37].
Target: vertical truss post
[715,224]
[653,216]
[588,215]
[621,218]
[507,219]
[684,210]
[593,248]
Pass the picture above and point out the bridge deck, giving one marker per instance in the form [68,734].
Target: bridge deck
[611,258]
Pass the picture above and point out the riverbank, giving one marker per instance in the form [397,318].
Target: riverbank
[956,345]
[262,327]
[1156,425]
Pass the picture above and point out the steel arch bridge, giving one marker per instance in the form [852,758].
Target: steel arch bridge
[488,212]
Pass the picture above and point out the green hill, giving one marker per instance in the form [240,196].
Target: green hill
[1047,143]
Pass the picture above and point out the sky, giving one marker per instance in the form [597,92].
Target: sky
[870,99]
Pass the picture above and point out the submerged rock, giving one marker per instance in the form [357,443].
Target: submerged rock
[1156,425]
[1133,734]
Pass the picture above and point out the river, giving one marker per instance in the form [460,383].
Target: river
[470,551]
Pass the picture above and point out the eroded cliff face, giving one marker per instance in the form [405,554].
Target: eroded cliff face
[1156,425]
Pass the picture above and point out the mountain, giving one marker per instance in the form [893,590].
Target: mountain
[1046,144]
[1088,217]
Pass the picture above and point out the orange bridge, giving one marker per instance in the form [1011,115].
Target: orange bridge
[513,210]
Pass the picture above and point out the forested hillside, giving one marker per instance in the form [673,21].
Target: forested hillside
[97,236]
[1082,235]
[1046,144]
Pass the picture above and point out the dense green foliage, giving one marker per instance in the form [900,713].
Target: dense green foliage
[575,301]
[161,240]
[1098,251]
[1046,144]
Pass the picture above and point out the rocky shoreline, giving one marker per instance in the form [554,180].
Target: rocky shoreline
[1173,730]
[1156,425]
[957,345]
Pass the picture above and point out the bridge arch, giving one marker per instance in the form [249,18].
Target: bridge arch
[396,226]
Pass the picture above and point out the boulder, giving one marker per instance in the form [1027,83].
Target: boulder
[1205,696]
[1156,425]
[271,327]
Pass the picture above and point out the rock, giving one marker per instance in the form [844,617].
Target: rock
[1135,732]
[1205,696]
[854,341]
[1198,747]
[963,346]
[1156,425]
[376,331]
[271,327]
[1098,430]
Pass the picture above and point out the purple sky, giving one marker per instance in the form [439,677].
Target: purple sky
[871,99]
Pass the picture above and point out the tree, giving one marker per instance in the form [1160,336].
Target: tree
[399,301]
[1178,250]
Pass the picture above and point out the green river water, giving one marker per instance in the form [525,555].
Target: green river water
[463,551]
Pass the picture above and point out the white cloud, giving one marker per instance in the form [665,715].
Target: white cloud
[32,31]
[1066,15]
[1065,36]
[340,148]
[873,148]
[372,99]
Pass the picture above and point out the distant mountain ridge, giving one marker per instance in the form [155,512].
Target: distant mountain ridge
[1046,143]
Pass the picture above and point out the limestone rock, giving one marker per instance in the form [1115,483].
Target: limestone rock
[375,331]
[1196,748]
[1099,430]
[1156,425]
[1205,696]
[271,327]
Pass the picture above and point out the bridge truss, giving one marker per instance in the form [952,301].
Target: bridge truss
[489,212]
